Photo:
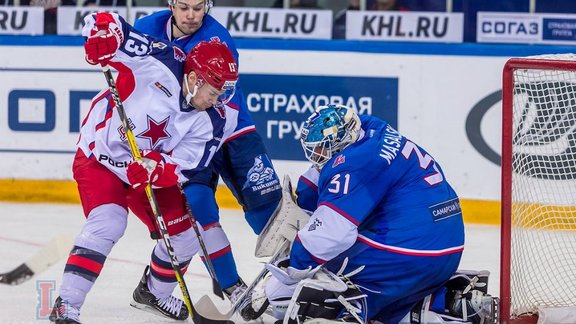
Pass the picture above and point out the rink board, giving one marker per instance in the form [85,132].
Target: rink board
[446,97]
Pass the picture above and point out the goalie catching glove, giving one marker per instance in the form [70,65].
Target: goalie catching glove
[151,169]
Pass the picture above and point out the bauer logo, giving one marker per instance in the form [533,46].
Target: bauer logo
[44,289]
[275,23]
[281,104]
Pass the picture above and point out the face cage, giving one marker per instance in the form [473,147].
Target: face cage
[318,152]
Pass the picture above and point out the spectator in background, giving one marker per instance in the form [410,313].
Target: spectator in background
[300,4]
[428,5]
[385,5]
[339,26]
[50,11]
[107,3]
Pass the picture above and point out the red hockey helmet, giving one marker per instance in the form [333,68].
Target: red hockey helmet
[213,63]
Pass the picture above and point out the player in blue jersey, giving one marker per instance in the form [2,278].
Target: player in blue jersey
[243,162]
[385,221]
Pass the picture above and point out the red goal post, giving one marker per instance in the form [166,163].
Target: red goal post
[538,234]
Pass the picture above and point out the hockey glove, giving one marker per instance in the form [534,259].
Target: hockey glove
[104,40]
[151,169]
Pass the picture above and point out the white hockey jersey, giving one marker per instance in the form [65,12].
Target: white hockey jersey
[150,75]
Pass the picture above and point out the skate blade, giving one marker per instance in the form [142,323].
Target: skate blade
[152,310]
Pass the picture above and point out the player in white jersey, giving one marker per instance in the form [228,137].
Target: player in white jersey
[176,105]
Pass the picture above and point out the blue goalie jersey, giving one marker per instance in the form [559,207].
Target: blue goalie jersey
[383,191]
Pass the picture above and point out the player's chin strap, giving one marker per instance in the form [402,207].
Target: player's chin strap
[190,94]
[173,21]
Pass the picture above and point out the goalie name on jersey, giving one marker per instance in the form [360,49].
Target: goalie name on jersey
[391,146]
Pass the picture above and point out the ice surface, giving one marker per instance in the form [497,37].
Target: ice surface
[26,227]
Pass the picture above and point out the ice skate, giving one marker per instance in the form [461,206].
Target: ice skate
[170,307]
[64,313]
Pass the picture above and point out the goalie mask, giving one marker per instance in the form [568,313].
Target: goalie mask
[328,131]
[214,64]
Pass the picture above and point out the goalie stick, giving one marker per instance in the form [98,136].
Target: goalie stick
[49,254]
[207,307]
[196,317]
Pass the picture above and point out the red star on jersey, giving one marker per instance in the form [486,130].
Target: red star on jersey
[156,131]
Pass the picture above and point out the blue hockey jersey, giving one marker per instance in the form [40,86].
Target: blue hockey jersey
[383,191]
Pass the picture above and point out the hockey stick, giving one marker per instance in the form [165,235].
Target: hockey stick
[49,254]
[196,318]
[207,307]
[216,288]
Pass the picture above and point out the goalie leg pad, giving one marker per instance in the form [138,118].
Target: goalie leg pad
[283,225]
[464,298]
[467,297]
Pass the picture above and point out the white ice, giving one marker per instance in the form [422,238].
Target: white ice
[24,228]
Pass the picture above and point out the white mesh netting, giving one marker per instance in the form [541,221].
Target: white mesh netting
[543,259]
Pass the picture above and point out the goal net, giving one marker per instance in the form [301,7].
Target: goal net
[538,257]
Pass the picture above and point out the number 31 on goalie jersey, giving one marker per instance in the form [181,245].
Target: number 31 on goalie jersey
[337,184]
